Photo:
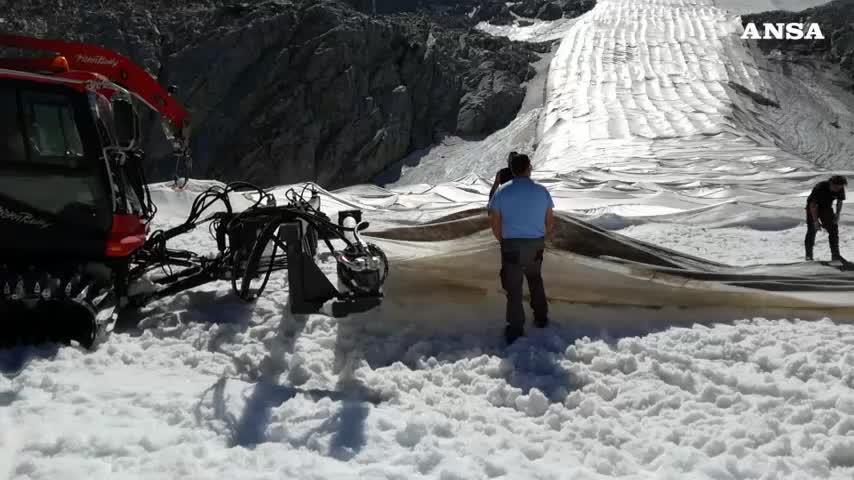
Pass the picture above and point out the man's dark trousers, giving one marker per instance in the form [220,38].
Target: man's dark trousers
[832,228]
[523,257]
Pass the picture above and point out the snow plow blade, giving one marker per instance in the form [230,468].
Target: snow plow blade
[40,308]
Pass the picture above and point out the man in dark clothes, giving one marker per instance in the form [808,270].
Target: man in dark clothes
[521,214]
[820,214]
[503,176]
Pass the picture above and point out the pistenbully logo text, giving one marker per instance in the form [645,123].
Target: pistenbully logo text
[783,31]
[96,60]
[19,217]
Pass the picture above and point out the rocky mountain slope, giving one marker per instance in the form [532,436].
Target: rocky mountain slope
[282,91]
[836,20]
[497,12]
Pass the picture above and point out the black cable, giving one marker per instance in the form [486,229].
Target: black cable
[254,255]
[261,223]
[148,205]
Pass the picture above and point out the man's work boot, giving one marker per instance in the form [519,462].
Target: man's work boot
[541,322]
[808,258]
[837,260]
[512,333]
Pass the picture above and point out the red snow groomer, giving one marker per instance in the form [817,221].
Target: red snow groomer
[75,207]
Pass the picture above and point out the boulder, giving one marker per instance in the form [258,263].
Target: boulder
[550,11]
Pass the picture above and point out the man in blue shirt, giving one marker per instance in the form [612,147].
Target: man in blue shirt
[522,214]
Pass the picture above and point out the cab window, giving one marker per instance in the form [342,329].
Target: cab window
[12,149]
[52,133]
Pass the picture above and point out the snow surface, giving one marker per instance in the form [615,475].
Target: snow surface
[639,130]
[537,31]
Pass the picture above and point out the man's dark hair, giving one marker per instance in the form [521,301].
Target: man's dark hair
[520,164]
[838,180]
[511,156]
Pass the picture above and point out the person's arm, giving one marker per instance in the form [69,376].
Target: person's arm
[494,207]
[838,209]
[550,214]
[495,223]
[813,208]
[550,222]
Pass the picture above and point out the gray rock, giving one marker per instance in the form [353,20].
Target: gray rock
[491,105]
[496,12]
[550,11]
[282,91]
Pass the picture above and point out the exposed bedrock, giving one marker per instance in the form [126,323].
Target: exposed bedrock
[283,91]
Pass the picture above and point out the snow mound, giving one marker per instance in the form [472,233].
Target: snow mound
[742,400]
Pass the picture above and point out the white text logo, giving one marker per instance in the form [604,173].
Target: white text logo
[24,218]
[783,31]
[96,85]
[96,60]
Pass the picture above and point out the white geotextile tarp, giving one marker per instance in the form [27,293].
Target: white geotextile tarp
[467,270]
